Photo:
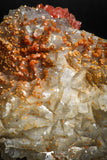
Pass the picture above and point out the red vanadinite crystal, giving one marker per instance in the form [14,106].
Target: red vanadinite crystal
[59,12]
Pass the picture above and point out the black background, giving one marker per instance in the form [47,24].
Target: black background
[92,13]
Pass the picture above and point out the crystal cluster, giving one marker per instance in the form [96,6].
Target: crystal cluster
[53,88]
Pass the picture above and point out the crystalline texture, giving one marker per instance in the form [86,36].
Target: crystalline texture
[53,88]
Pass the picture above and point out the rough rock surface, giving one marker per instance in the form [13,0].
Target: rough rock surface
[53,89]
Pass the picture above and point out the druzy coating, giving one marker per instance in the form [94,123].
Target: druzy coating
[53,87]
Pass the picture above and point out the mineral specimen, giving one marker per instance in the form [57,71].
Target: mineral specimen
[53,88]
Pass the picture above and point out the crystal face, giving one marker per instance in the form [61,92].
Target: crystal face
[53,88]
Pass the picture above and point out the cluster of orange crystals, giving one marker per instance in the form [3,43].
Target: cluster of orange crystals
[19,55]
[25,56]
